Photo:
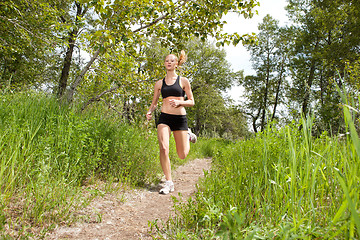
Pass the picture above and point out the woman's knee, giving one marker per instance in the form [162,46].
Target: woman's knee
[182,154]
[164,148]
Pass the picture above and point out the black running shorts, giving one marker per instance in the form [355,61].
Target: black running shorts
[175,122]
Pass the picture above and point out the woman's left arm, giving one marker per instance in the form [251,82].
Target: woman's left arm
[187,88]
[190,98]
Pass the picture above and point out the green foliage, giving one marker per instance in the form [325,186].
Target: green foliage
[207,65]
[352,73]
[128,26]
[325,40]
[39,39]
[132,81]
[209,147]
[69,139]
[297,65]
[211,75]
[282,184]
[26,33]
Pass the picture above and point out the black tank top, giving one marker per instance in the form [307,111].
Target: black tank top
[174,90]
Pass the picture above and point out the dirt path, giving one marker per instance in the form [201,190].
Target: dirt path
[129,219]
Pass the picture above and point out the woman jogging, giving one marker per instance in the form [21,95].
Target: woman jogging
[173,115]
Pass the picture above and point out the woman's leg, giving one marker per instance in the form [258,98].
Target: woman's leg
[182,143]
[164,137]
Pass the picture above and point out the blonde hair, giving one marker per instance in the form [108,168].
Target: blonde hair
[182,58]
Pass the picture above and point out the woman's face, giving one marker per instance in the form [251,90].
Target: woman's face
[171,62]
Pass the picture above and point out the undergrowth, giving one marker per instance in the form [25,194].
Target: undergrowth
[281,184]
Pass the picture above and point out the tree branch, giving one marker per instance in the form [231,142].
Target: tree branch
[97,98]
[160,18]
[80,77]
[112,107]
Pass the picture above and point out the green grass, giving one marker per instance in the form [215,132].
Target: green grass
[50,152]
[282,184]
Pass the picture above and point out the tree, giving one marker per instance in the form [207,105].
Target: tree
[211,75]
[327,38]
[74,26]
[127,25]
[269,58]
[26,40]
[285,35]
[123,84]
[34,33]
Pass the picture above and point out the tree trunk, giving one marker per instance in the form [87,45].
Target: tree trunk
[63,82]
[263,117]
[198,124]
[322,87]
[79,78]
[4,73]
[254,125]
[255,118]
[309,83]
[278,89]
[308,88]
[67,64]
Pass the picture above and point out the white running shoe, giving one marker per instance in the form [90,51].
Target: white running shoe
[192,136]
[169,187]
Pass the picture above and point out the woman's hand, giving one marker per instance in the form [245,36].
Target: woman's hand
[148,116]
[174,103]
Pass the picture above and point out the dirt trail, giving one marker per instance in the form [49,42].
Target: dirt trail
[129,219]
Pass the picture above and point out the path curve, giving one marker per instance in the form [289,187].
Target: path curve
[129,219]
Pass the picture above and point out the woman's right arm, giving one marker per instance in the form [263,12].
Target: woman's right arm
[155,100]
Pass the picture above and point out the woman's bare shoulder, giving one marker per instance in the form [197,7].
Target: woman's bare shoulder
[158,83]
[184,81]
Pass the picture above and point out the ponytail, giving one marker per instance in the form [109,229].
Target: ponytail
[182,58]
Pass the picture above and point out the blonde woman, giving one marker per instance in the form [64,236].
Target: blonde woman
[173,115]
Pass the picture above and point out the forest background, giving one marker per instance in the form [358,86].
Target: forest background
[299,69]
[296,66]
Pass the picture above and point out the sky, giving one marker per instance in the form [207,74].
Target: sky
[238,56]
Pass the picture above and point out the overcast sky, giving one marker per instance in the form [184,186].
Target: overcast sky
[238,56]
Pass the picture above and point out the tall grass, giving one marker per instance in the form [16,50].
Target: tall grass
[48,151]
[282,184]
